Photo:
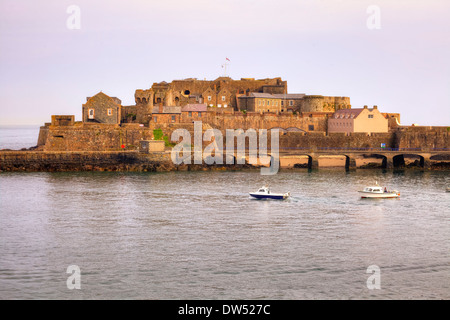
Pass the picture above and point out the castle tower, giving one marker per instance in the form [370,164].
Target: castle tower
[144,105]
[312,104]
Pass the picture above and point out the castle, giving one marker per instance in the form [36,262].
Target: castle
[222,103]
[223,95]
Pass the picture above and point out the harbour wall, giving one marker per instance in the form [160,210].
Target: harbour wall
[98,161]
[101,137]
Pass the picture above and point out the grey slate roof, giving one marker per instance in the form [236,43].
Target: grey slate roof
[275,96]
[289,95]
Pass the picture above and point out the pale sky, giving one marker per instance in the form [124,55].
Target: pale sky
[319,46]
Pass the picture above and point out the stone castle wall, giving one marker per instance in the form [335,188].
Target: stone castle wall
[92,137]
[423,137]
[254,120]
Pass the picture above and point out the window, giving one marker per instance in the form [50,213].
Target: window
[264,102]
[110,112]
[268,102]
[173,118]
[199,114]
[91,113]
[282,103]
[259,102]
[291,103]
[311,127]
[155,119]
[209,98]
[219,106]
[223,98]
[225,105]
[370,116]
[190,114]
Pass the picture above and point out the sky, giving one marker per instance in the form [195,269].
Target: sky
[391,53]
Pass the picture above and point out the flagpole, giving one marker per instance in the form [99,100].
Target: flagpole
[225,66]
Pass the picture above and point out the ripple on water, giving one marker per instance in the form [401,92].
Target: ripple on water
[198,235]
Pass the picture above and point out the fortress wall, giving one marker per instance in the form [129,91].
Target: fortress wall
[264,121]
[98,161]
[423,137]
[336,140]
[101,137]
[84,161]
[42,138]
[92,137]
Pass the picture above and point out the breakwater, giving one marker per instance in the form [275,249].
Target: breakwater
[88,161]
[161,161]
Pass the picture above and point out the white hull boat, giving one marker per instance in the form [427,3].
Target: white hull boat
[264,193]
[377,192]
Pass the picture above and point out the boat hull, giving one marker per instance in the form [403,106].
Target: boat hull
[269,196]
[366,195]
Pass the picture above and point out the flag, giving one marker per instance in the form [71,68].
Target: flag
[227,59]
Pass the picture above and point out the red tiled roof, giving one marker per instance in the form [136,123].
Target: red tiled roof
[348,112]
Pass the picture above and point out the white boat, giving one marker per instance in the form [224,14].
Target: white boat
[264,193]
[379,192]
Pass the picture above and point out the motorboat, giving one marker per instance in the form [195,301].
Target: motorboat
[379,192]
[264,193]
[448,189]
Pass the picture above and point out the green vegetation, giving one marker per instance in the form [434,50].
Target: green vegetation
[159,135]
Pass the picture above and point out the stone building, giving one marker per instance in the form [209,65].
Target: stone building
[227,95]
[259,102]
[358,120]
[193,112]
[102,108]
[221,91]
[165,115]
[288,102]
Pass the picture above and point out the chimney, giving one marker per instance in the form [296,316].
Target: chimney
[375,107]
[160,108]
[365,107]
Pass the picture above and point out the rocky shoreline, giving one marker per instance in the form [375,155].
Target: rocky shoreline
[133,161]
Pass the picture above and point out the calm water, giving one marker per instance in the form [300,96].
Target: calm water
[198,236]
[18,137]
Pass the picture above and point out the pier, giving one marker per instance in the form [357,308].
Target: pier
[392,157]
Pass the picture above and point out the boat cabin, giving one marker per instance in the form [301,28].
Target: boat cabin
[264,190]
[373,189]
